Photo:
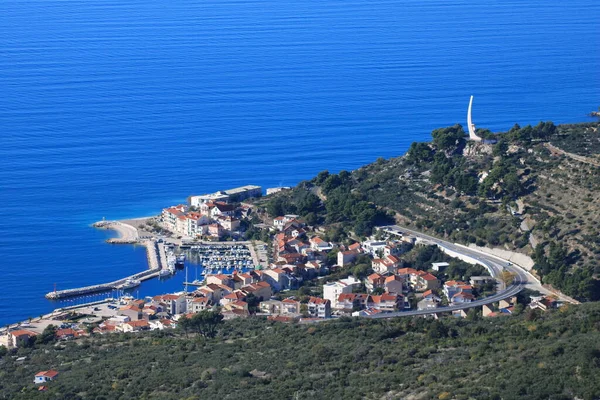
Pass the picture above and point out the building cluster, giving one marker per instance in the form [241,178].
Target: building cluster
[214,215]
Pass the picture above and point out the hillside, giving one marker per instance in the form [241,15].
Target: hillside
[536,191]
[554,355]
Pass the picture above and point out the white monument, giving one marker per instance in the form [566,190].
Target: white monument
[471,125]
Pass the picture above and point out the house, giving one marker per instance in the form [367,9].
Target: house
[459,314]
[439,266]
[272,307]
[373,247]
[480,280]
[290,306]
[18,336]
[229,224]
[174,303]
[293,258]
[451,288]
[216,230]
[318,307]
[426,281]
[260,290]
[387,302]
[134,326]
[199,304]
[374,281]
[347,302]
[236,305]
[393,284]
[63,334]
[367,312]
[279,222]
[346,257]
[429,295]
[332,290]
[462,297]
[544,303]
[233,296]
[316,243]
[133,312]
[277,278]
[220,279]
[355,247]
[45,376]
[385,265]
[427,304]
[160,324]
[222,210]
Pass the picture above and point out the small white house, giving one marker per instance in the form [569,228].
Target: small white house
[45,376]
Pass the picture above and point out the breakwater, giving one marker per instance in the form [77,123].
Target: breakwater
[156,256]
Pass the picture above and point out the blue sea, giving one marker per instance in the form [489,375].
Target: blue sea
[118,108]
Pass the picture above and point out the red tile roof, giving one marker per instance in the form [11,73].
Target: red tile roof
[48,374]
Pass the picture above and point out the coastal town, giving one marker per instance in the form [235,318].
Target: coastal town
[296,277]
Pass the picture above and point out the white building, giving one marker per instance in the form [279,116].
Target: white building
[332,290]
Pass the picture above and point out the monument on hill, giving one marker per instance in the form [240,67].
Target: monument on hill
[471,125]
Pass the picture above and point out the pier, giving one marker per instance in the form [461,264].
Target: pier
[156,261]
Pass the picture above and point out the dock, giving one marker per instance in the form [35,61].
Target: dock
[156,261]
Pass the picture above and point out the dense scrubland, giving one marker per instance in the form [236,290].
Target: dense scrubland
[553,355]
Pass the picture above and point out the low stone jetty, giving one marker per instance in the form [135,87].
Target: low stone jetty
[155,253]
[127,233]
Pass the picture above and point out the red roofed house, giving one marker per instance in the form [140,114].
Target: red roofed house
[374,281]
[45,376]
[175,303]
[277,278]
[319,308]
[290,306]
[222,209]
[427,281]
[133,312]
[134,326]
[393,284]
[346,257]
[387,302]
[200,304]
[385,265]
[65,333]
[261,290]
[16,337]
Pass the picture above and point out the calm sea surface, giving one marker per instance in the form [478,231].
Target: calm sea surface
[118,108]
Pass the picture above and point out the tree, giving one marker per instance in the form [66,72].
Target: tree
[184,324]
[507,277]
[206,322]
[48,335]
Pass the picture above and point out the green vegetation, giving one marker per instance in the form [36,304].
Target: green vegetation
[553,355]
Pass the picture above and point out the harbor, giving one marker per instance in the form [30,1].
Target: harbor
[155,253]
[210,257]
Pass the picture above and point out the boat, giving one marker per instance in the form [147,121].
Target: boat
[164,272]
[180,260]
[129,284]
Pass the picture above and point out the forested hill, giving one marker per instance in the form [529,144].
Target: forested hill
[552,355]
[536,191]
